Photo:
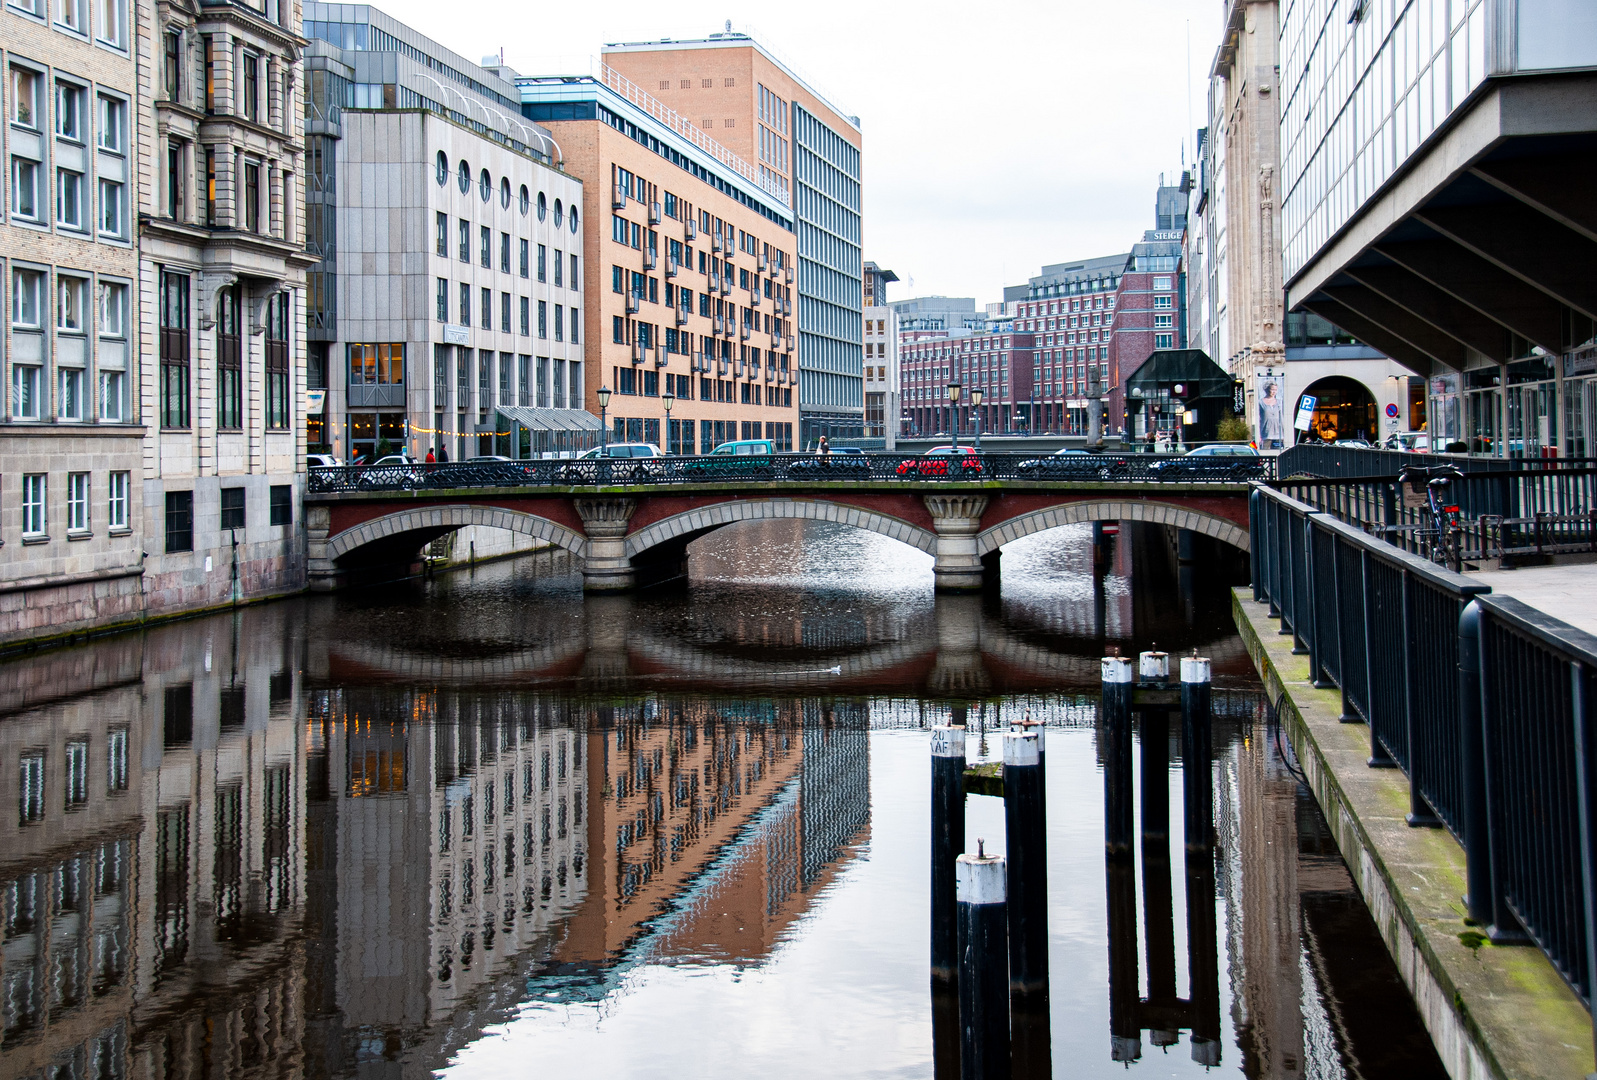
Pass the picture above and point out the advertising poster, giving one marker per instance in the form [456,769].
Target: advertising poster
[1270,393]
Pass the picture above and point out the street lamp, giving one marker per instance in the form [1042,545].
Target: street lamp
[953,397]
[975,402]
[604,429]
[668,399]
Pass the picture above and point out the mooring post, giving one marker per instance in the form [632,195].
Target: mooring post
[983,967]
[1125,1026]
[1119,815]
[1026,829]
[948,840]
[1153,669]
[1197,752]
[1203,958]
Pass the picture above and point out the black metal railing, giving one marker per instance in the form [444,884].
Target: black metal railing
[1484,703]
[1527,507]
[967,466]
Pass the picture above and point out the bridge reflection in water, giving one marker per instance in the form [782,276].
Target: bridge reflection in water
[352,836]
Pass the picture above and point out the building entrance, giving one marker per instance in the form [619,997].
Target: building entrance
[1344,408]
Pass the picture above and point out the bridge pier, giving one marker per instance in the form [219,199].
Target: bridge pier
[957,519]
[321,573]
[607,568]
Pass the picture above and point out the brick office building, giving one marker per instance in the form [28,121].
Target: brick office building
[689,285]
[806,151]
[999,364]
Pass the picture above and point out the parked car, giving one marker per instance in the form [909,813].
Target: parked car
[1413,442]
[939,461]
[1217,461]
[741,458]
[392,470]
[487,457]
[320,461]
[617,463]
[624,450]
[843,463]
[1072,464]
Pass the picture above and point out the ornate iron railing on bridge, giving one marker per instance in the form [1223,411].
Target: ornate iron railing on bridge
[967,466]
[1486,704]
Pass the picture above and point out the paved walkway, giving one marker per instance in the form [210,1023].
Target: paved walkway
[1564,592]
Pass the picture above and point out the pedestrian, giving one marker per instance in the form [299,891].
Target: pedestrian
[430,459]
[443,453]
[825,449]
[1153,439]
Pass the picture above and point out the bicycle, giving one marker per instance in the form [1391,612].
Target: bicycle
[1437,540]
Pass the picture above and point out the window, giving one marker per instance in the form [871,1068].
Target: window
[443,235]
[504,312]
[573,271]
[111,209]
[560,322]
[524,200]
[30,799]
[1161,302]
[281,504]
[558,212]
[113,124]
[76,779]
[24,97]
[278,412]
[464,177]
[543,318]
[174,349]
[543,206]
[69,111]
[443,300]
[232,508]
[116,504]
[524,270]
[464,253]
[174,179]
[487,247]
[465,304]
[69,199]
[113,14]
[1164,341]
[113,391]
[252,87]
[33,504]
[1161,283]
[485,185]
[229,361]
[504,253]
[443,168]
[543,263]
[25,386]
[27,287]
[77,502]
[574,327]
[487,309]
[559,267]
[69,398]
[252,196]
[172,63]
[377,365]
[1163,322]
[526,316]
[25,188]
[179,521]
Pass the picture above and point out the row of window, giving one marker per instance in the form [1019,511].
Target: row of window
[78,515]
[565,318]
[82,352]
[105,21]
[485,188]
[542,381]
[75,793]
[485,252]
[234,513]
[174,391]
[86,190]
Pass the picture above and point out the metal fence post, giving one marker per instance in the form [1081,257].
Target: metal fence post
[1584,797]
[1479,900]
[1255,547]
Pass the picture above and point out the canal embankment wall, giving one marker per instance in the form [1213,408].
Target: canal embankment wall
[1493,1011]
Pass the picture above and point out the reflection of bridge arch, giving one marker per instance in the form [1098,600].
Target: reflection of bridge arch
[1154,513]
[694,523]
[437,520]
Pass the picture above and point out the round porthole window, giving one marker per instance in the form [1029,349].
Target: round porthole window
[504,194]
[485,184]
[559,214]
[465,177]
[573,219]
[443,168]
[543,206]
[525,200]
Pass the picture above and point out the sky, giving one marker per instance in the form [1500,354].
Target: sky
[999,136]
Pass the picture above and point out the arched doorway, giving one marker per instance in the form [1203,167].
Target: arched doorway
[1344,408]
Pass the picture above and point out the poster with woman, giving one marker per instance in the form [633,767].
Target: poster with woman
[1270,393]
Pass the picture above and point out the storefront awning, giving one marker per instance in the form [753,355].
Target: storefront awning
[1191,367]
[550,419]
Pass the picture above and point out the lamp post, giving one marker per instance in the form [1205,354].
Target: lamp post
[953,398]
[668,399]
[975,403]
[604,428]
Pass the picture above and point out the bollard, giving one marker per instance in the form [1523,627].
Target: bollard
[948,840]
[983,967]
[1025,826]
[1203,959]
[1116,715]
[1153,669]
[1196,753]
[1125,1027]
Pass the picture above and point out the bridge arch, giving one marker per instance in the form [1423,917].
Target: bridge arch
[1155,513]
[691,524]
[429,522]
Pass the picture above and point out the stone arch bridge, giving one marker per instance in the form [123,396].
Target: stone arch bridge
[626,534]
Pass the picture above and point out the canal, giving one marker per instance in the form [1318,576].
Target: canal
[481,825]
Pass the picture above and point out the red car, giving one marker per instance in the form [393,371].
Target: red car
[942,461]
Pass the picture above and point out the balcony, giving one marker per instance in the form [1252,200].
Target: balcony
[745,332]
[715,281]
[787,275]
[650,258]
[632,303]
[789,343]
[754,297]
[690,231]
[681,316]
[765,265]
[726,285]
[618,200]
[720,326]
[722,365]
[654,213]
[637,352]
[661,357]
[715,242]
[671,268]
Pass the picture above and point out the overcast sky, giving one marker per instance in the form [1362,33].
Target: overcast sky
[998,136]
